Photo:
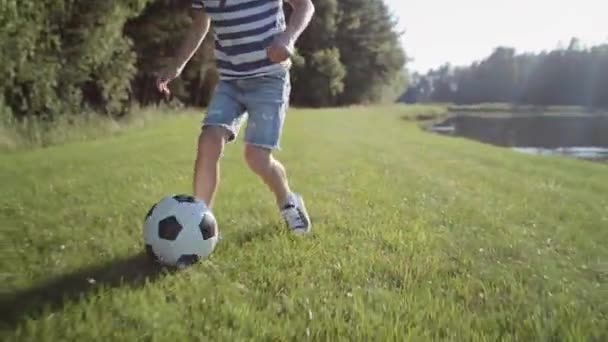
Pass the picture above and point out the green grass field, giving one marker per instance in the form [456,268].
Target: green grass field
[416,237]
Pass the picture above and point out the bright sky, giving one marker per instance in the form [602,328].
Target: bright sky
[460,32]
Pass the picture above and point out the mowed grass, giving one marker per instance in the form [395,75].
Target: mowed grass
[416,237]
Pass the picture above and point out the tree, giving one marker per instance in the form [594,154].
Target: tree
[370,50]
[69,56]
[156,34]
[63,56]
[318,74]
[349,54]
[571,75]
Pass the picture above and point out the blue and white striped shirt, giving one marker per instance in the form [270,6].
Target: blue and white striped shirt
[243,30]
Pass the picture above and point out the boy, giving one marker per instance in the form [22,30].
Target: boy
[253,46]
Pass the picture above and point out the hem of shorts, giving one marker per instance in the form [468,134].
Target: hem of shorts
[266,146]
[227,127]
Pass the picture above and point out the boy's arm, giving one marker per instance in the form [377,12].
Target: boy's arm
[191,42]
[282,48]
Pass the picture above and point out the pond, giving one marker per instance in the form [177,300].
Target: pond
[584,137]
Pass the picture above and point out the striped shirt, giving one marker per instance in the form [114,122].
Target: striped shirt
[243,29]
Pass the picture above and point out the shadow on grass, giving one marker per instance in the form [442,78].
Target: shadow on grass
[133,271]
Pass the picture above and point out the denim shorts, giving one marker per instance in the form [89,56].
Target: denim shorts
[262,99]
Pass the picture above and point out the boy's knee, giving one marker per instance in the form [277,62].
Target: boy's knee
[211,141]
[257,158]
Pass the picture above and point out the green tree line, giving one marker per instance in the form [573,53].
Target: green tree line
[70,56]
[571,75]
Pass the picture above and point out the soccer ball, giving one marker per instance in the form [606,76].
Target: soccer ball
[179,230]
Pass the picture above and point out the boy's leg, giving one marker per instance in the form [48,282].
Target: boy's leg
[221,125]
[266,99]
[270,170]
[211,143]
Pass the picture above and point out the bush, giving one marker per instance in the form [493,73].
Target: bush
[36,132]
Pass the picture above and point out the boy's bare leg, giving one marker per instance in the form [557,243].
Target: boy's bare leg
[270,170]
[211,144]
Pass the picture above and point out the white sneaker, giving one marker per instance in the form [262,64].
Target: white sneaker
[295,215]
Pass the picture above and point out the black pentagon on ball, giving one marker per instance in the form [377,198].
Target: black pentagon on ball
[184,199]
[187,260]
[208,226]
[169,228]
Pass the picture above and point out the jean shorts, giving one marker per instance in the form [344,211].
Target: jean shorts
[262,99]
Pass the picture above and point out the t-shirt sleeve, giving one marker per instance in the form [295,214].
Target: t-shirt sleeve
[197,4]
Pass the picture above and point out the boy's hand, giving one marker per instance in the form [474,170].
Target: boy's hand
[280,50]
[164,78]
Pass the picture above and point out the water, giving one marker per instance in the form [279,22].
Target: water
[584,137]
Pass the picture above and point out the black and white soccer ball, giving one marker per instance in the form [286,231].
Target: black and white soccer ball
[180,230]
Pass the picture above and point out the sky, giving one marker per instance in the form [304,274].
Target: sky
[460,32]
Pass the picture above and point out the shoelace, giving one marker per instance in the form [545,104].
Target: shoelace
[293,217]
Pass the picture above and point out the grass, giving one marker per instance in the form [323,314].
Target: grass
[416,237]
